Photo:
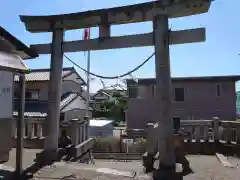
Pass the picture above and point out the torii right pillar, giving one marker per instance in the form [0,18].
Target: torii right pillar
[166,170]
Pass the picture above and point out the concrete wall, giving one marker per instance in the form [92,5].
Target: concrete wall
[200,102]
[70,86]
[5,139]
[103,131]
[75,114]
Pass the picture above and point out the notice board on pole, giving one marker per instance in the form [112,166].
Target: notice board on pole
[6,94]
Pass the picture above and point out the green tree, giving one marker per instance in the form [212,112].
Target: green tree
[114,109]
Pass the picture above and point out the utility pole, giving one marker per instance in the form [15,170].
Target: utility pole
[88,79]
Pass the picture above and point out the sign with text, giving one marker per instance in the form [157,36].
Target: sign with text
[128,141]
[6,94]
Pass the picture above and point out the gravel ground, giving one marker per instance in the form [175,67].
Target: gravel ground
[204,167]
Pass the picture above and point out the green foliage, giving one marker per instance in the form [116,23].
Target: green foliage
[113,144]
[113,109]
[107,144]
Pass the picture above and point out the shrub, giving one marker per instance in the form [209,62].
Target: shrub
[107,144]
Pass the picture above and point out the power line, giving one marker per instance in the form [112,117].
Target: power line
[110,77]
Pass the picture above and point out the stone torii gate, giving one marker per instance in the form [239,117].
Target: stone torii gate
[158,12]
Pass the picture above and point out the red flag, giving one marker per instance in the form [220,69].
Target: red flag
[86,33]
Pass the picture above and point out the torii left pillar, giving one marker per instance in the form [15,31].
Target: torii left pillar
[166,169]
[54,96]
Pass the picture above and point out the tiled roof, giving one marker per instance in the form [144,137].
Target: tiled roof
[10,41]
[36,108]
[43,74]
[67,98]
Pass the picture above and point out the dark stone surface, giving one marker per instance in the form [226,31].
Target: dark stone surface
[148,162]
[47,157]
[167,173]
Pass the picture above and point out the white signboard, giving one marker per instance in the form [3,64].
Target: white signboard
[6,94]
[128,141]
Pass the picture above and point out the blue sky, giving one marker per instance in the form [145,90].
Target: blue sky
[217,56]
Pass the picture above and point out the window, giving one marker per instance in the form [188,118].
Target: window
[218,90]
[132,91]
[179,94]
[32,94]
[141,91]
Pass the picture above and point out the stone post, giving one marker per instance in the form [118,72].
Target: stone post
[80,132]
[74,128]
[83,132]
[148,157]
[39,130]
[87,119]
[30,129]
[216,129]
[151,143]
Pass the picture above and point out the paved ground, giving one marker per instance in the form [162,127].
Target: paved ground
[204,167]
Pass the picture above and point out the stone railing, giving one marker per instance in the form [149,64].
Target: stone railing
[31,129]
[214,130]
[200,136]
[227,132]
[80,138]
[77,130]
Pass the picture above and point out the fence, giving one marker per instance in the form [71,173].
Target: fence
[76,129]
[201,130]
[193,131]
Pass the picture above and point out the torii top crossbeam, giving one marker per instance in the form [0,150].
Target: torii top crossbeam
[119,15]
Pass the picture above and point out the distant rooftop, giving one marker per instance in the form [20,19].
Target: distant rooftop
[44,74]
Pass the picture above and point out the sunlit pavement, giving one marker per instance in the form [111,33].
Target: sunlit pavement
[204,167]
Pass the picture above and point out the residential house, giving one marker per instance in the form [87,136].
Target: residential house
[73,104]
[193,98]
[12,51]
[106,94]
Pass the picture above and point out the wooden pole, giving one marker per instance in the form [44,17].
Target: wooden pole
[163,94]
[20,127]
